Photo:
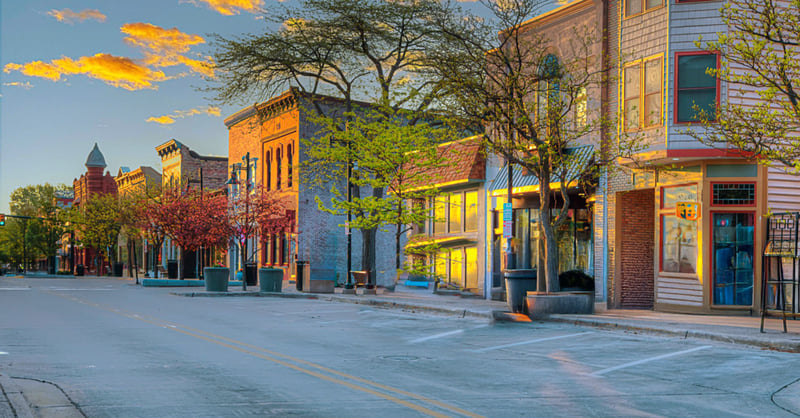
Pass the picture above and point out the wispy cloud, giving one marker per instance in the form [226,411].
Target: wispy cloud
[68,16]
[161,48]
[180,114]
[166,47]
[230,7]
[116,71]
[26,85]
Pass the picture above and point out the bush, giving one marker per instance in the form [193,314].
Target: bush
[575,280]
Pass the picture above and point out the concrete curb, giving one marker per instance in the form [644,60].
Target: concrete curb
[19,404]
[358,300]
[761,342]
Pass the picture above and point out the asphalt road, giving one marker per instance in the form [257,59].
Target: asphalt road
[120,350]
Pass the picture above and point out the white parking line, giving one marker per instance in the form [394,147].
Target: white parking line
[638,362]
[433,337]
[15,288]
[483,350]
[3,353]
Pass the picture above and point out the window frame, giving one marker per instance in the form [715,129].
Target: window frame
[625,14]
[676,90]
[642,94]
[740,205]
[444,199]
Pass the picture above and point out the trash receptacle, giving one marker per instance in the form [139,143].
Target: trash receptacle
[251,273]
[79,270]
[172,269]
[518,283]
[118,269]
[298,278]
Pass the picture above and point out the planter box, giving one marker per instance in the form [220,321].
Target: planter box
[542,305]
[270,279]
[216,279]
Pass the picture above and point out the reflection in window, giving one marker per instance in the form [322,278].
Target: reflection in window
[679,245]
[454,218]
[440,214]
[471,211]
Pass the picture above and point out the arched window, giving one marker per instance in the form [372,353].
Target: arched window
[289,160]
[278,169]
[268,170]
[547,94]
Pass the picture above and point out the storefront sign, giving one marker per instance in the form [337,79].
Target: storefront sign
[687,210]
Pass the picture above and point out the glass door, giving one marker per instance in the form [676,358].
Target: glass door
[732,268]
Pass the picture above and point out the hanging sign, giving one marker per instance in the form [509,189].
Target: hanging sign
[508,220]
[687,210]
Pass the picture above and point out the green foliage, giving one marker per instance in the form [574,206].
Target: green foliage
[760,63]
[98,222]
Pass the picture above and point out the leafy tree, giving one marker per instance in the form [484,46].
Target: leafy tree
[536,97]
[99,222]
[39,235]
[354,50]
[253,211]
[760,63]
[192,220]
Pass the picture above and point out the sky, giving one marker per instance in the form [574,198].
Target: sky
[123,74]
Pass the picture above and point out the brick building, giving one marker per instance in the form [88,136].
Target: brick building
[272,133]
[96,181]
[182,167]
[132,183]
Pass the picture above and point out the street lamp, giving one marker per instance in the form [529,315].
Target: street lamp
[233,181]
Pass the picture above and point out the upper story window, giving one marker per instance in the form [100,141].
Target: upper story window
[289,164]
[278,169]
[643,94]
[696,91]
[268,170]
[635,7]
[455,212]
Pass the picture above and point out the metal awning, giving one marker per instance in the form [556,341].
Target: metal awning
[523,182]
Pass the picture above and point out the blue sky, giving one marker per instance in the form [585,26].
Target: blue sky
[112,72]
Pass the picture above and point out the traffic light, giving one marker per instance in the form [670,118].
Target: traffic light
[2,219]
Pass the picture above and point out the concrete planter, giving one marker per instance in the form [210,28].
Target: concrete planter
[216,279]
[542,305]
[270,279]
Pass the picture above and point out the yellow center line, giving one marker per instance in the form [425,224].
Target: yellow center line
[270,356]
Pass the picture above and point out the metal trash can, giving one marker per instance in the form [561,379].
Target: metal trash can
[79,270]
[251,273]
[518,284]
[301,271]
[118,267]
[172,269]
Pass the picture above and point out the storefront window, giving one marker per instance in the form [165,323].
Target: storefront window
[678,245]
[671,195]
[471,270]
[440,215]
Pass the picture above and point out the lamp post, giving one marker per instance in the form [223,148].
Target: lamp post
[233,182]
[198,262]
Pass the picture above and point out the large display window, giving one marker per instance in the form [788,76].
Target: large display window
[679,237]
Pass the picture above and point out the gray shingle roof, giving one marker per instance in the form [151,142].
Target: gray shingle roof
[581,158]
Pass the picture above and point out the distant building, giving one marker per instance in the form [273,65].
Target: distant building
[92,183]
[184,168]
[131,183]
[137,180]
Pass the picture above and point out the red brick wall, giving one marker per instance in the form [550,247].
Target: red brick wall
[636,231]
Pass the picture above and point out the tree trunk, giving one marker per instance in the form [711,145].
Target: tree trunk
[548,235]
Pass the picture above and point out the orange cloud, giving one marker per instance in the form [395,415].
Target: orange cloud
[166,47]
[68,16]
[230,7]
[116,71]
[170,119]
[164,120]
